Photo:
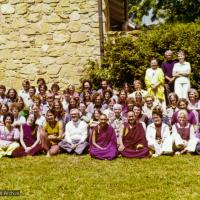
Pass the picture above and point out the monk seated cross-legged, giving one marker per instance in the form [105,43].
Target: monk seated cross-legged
[133,143]
[103,143]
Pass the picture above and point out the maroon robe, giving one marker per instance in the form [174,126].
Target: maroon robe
[131,138]
[105,138]
[29,139]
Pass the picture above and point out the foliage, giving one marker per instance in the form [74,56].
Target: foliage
[127,59]
[80,177]
[169,10]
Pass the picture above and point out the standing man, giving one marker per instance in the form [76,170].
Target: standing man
[167,67]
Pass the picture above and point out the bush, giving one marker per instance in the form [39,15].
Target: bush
[127,58]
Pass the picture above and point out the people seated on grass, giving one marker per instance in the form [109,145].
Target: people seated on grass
[154,80]
[167,67]
[158,135]
[132,140]
[18,120]
[103,143]
[9,136]
[117,121]
[3,99]
[183,104]
[76,134]
[84,115]
[51,134]
[183,133]
[181,72]
[172,107]
[137,84]
[140,117]
[29,139]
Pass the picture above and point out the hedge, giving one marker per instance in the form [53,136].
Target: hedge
[127,58]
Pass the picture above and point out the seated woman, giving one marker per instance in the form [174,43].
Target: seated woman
[183,134]
[9,136]
[103,144]
[29,139]
[158,135]
[132,140]
[52,134]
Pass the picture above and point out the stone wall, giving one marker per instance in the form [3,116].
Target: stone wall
[47,38]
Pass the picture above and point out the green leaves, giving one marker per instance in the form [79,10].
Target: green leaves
[127,59]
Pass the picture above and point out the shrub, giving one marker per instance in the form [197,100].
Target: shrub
[127,58]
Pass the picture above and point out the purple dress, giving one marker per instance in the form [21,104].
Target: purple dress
[105,138]
[30,137]
[133,136]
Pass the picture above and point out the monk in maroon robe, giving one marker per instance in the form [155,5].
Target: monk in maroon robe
[103,142]
[133,143]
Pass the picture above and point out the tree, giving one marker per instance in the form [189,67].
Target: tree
[168,10]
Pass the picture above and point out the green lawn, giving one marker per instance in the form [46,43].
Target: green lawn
[80,177]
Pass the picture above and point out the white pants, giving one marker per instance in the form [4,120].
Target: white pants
[189,145]
[165,146]
[181,89]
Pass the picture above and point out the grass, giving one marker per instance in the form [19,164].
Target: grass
[81,177]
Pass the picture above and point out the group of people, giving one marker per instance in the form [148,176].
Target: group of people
[161,120]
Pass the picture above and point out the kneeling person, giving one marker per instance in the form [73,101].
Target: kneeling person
[75,136]
[133,143]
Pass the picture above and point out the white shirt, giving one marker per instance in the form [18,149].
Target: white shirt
[151,132]
[76,131]
[182,68]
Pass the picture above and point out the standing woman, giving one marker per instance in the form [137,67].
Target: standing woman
[29,139]
[181,72]
[154,80]
[52,134]
[8,136]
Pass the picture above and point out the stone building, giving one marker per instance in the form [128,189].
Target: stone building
[52,39]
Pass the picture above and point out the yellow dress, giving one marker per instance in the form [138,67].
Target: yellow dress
[52,131]
[153,76]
